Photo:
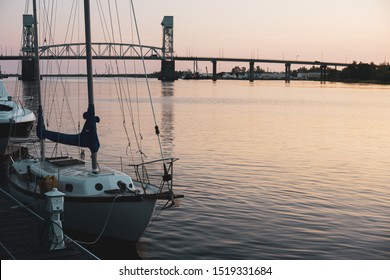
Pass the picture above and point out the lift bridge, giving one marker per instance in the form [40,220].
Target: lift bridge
[165,54]
[99,50]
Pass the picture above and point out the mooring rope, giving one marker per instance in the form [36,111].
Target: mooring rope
[104,227]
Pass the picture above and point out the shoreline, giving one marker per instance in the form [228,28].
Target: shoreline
[154,76]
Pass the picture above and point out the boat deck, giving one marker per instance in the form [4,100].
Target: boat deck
[20,236]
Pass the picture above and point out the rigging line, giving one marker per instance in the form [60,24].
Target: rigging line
[48,26]
[42,25]
[147,80]
[49,93]
[120,100]
[101,20]
[113,36]
[106,32]
[119,86]
[50,100]
[128,100]
[119,24]
[63,82]
[26,6]
[80,151]
[57,105]
[69,20]
[46,22]
[51,20]
[17,89]
[50,97]
[68,65]
[135,81]
[130,109]
[53,15]
[61,105]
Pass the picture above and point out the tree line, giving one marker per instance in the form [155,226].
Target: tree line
[366,72]
[356,72]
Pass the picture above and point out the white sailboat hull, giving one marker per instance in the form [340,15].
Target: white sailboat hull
[107,212]
[126,220]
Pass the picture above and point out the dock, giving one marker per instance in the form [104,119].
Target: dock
[23,236]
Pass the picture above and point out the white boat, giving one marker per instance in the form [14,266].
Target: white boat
[15,120]
[98,200]
[108,203]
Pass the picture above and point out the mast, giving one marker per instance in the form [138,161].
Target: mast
[38,77]
[91,105]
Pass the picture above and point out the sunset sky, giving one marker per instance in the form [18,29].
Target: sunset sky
[332,30]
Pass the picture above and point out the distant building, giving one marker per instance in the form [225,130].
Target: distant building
[228,76]
[272,76]
[309,75]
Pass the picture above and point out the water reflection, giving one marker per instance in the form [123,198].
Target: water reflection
[268,170]
[294,171]
[167,89]
[167,117]
[30,95]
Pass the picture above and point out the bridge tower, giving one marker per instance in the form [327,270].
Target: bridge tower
[28,61]
[167,62]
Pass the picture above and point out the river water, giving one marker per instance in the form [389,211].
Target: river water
[269,170]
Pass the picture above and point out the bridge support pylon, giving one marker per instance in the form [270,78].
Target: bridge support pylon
[214,70]
[287,72]
[168,70]
[251,71]
[323,73]
[28,69]
[28,61]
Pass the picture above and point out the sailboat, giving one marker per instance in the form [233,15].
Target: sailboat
[15,120]
[99,200]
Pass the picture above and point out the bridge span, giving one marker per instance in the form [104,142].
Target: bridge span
[115,51]
[121,51]
[322,64]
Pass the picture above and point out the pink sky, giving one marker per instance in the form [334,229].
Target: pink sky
[332,30]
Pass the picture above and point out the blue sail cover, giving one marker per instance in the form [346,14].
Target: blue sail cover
[88,137]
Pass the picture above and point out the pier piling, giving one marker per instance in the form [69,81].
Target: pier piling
[214,70]
[251,71]
[287,72]
[323,73]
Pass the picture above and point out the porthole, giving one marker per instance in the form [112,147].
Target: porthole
[98,187]
[69,188]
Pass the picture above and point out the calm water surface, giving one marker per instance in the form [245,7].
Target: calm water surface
[268,170]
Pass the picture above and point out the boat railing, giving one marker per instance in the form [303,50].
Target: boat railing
[141,171]
[25,102]
[20,148]
[157,172]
